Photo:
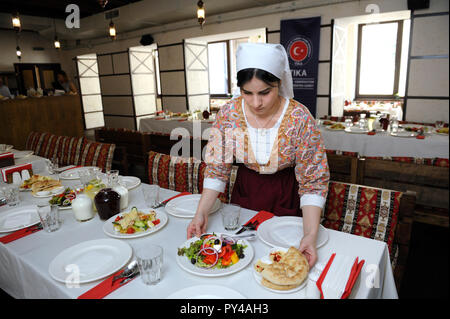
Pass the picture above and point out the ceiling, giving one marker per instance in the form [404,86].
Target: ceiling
[42,16]
[56,8]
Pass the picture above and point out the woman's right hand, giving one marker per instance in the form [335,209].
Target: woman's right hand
[198,225]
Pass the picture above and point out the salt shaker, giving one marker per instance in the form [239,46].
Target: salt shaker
[82,208]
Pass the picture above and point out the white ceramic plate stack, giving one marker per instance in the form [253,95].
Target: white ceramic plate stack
[356,130]
[50,193]
[130,182]
[206,292]
[90,260]
[404,134]
[186,206]
[108,226]
[73,172]
[287,231]
[18,218]
[265,259]
[186,264]
[22,154]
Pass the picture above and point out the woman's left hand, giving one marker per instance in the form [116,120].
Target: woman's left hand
[308,248]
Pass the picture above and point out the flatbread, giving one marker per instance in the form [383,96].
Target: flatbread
[270,285]
[45,186]
[291,270]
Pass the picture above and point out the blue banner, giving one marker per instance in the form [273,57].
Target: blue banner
[301,39]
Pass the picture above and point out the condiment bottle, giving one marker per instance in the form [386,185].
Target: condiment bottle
[113,181]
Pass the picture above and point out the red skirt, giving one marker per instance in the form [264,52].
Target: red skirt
[276,193]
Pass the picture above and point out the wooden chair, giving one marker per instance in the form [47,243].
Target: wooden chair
[343,166]
[429,182]
[376,213]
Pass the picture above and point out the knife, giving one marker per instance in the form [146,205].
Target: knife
[251,226]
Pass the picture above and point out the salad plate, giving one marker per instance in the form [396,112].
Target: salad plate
[206,292]
[130,182]
[90,260]
[73,172]
[64,200]
[230,259]
[403,134]
[265,259]
[287,231]
[154,221]
[186,206]
[18,218]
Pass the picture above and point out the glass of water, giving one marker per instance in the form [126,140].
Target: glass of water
[230,216]
[11,194]
[49,216]
[150,260]
[151,195]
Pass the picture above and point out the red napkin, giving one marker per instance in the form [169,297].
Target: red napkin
[182,120]
[356,269]
[69,168]
[371,133]
[260,217]
[18,234]
[420,137]
[323,274]
[181,194]
[105,287]
[12,169]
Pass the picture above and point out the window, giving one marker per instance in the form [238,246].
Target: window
[379,60]
[222,67]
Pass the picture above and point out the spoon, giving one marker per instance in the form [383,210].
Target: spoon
[131,269]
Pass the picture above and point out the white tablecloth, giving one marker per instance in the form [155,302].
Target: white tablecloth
[194,128]
[24,263]
[383,144]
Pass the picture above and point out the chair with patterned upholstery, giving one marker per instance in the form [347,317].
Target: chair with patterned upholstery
[376,213]
[182,174]
[96,154]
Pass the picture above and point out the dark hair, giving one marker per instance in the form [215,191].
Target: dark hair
[245,75]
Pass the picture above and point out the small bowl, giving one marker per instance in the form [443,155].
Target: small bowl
[57,190]
[43,193]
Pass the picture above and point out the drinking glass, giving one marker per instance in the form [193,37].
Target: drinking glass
[348,121]
[151,195]
[11,193]
[84,176]
[230,216]
[150,260]
[49,216]
[394,125]
[439,124]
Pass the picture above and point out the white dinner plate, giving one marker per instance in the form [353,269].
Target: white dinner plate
[206,292]
[22,154]
[356,130]
[186,264]
[265,259]
[108,226]
[18,218]
[404,134]
[7,148]
[287,231]
[130,182]
[90,260]
[50,193]
[73,172]
[440,133]
[186,206]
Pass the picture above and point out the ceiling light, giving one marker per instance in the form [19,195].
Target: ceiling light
[112,31]
[201,13]
[57,43]
[18,53]
[16,22]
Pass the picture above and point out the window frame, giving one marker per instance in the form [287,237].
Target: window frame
[398,55]
[227,95]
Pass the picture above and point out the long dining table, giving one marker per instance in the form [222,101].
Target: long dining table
[380,144]
[24,263]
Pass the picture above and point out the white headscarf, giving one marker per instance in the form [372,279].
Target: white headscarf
[268,57]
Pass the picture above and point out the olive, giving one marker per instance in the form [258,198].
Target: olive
[216,242]
[224,244]
[241,255]
[193,261]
